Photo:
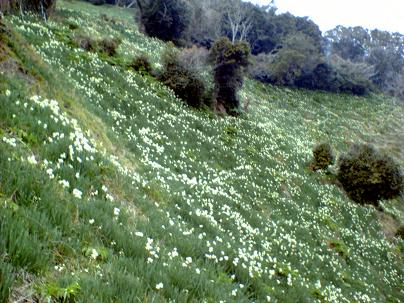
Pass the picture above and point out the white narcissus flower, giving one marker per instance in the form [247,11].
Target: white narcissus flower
[94,254]
[49,171]
[116,211]
[139,234]
[159,286]
[77,193]
[32,160]
[10,141]
[64,183]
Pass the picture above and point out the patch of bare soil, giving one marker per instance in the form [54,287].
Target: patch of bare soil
[389,224]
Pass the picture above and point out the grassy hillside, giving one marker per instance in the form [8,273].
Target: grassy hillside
[112,190]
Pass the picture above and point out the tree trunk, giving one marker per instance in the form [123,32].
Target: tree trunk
[4,6]
[42,7]
[139,4]
[131,4]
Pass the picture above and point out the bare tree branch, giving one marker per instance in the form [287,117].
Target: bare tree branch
[131,4]
[239,20]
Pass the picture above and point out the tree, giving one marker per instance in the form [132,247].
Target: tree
[310,29]
[380,50]
[182,79]
[42,7]
[262,36]
[386,54]
[348,43]
[229,63]
[206,20]
[298,54]
[351,77]
[238,19]
[167,20]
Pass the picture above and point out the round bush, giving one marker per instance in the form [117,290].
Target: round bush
[167,20]
[182,80]
[86,43]
[323,156]
[229,60]
[141,64]
[108,46]
[368,175]
[400,232]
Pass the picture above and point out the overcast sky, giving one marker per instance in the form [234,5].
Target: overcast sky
[382,14]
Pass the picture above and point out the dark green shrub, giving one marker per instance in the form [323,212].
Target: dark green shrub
[229,63]
[108,19]
[323,156]
[351,77]
[322,77]
[108,46]
[101,2]
[400,232]
[97,2]
[167,20]
[182,80]
[297,54]
[339,247]
[86,43]
[141,64]
[368,175]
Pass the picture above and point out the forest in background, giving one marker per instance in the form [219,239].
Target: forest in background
[287,50]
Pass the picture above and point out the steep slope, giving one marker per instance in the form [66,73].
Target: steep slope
[112,190]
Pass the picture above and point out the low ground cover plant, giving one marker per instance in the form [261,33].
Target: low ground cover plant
[323,156]
[141,64]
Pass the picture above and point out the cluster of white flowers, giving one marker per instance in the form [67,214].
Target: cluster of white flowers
[77,193]
[10,141]
[139,234]
[187,262]
[64,183]
[94,254]
[117,211]
[152,249]
[60,268]
[32,160]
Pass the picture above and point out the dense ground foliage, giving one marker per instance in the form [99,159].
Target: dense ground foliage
[112,190]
